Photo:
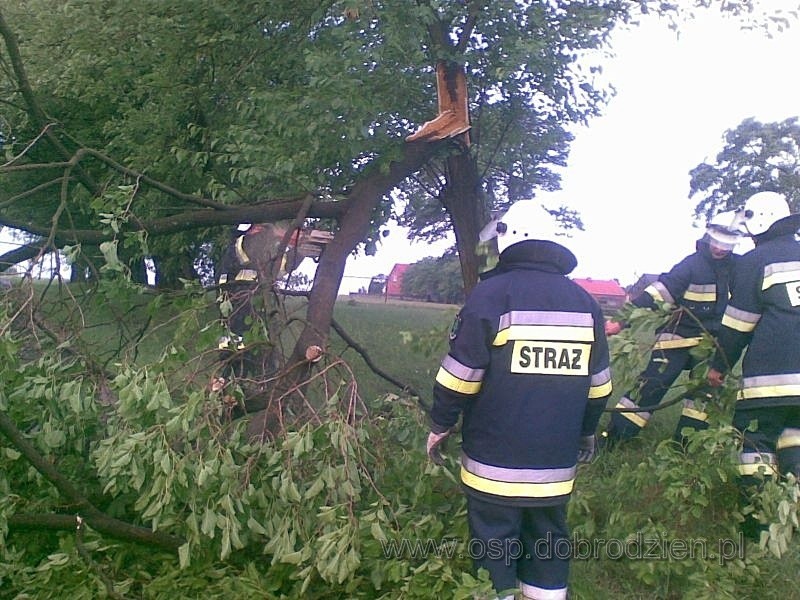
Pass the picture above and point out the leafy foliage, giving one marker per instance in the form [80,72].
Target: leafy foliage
[343,505]
[756,157]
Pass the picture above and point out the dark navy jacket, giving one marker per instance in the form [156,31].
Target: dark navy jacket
[528,367]
[698,288]
[764,313]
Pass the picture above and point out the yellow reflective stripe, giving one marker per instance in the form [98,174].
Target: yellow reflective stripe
[753,469]
[769,391]
[737,324]
[544,333]
[246,275]
[451,382]
[240,253]
[600,391]
[790,438]
[659,293]
[520,490]
[637,418]
[700,296]
[676,343]
[695,414]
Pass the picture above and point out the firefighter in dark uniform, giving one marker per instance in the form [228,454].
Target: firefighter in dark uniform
[764,315]
[238,282]
[528,367]
[697,288]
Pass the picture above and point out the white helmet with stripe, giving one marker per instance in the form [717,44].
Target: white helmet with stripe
[725,229]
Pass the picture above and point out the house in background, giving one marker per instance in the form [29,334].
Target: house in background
[608,293]
[394,283]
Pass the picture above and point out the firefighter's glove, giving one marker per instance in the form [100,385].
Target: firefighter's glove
[587,449]
[434,446]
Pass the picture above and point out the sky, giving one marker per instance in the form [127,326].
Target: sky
[628,170]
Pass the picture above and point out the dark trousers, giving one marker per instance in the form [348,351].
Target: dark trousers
[238,359]
[527,545]
[661,372]
[776,433]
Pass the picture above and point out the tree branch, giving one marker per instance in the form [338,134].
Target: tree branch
[91,514]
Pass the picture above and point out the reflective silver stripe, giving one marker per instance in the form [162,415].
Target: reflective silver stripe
[517,475]
[462,371]
[533,592]
[701,293]
[544,326]
[740,320]
[660,292]
[770,386]
[601,378]
[639,419]
[694,410]
[778,273]
[544,317]
[600,384]
[751,463]
[790,438]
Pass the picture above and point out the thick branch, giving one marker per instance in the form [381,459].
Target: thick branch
[91,514]
[263,212]
[100,523]
[62,484]
[18,255]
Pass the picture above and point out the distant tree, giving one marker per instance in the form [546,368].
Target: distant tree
[435,280]
[756,157]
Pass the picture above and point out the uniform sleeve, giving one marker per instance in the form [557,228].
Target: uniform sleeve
[461,372]
[600,384]
[741,315]
[669,287]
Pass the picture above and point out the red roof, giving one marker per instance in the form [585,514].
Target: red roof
[604,287]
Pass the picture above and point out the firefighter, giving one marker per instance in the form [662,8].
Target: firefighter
[763,314]
[697,289]
[238,282]
[255,253]
[528,367]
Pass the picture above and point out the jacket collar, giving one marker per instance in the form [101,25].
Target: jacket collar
[536,255]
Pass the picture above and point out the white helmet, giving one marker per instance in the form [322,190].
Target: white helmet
[244,226]
[524,220]
[725,229]
[764,209]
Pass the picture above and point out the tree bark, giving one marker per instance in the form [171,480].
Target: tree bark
[354,225]
[463,200]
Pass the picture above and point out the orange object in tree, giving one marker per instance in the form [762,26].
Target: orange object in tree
[453,118]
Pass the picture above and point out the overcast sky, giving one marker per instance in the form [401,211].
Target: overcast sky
[628,172]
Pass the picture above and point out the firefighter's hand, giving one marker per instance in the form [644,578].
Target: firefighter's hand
[587,449]
[715,378]
[613,327]
[433,446]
